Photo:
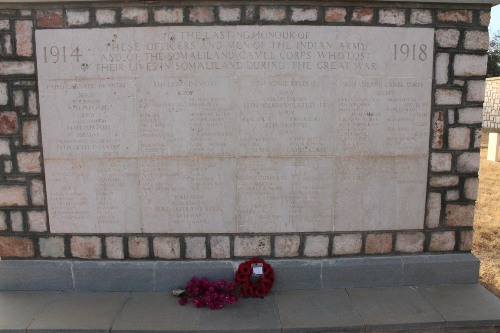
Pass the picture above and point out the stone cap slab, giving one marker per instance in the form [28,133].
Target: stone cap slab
[454,2]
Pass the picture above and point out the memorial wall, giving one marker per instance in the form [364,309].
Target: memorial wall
[165,131]
[235,129]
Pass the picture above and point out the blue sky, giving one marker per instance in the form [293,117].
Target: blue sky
[495,20]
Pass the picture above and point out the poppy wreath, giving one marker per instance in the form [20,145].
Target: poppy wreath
[255,285]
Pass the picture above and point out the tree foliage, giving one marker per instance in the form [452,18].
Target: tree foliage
[494,56]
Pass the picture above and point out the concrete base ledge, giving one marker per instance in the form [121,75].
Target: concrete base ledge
[291,274]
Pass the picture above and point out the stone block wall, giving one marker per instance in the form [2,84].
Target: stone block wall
[461,42]
[491,107]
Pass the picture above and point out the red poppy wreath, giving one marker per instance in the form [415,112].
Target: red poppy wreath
[255,278]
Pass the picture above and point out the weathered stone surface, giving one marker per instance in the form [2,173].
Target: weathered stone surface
[466,237]
[135,15]
[363,15]
[448,96]
[13,196]
[4,147]
[29,162]
[470,115]
[3,221]
[459,215]
[316,246]
[30,133]
[86,247]
[7,44]
[220,247]
[51,247]
[470,65]
[17,67]
[410,242]
[167,247]
[77,17]
[272,14]
[249,246]
[196,248]
[306,209]
[25,12]
[24,42]
[392,16]
[114,248]
[347,244]
[105,16]
[37,221]
[458,138]
[138,247]
[37,192]
[444,181]
[7,166]
[468,162]
[420,16]
[201,14]
[286,246]
[4,25]
[8,123]
[442,63]
[378,243]
[451,116]
[304,14]
[364,177]
[458,16]
[100,188]
[442,241]
[477,138]
[4,93]
[447,37]
[335,14]
[440,162]
[18,98]
[470,188]
[476,40]
[17,221]
[229,14]
[250,13]
[32,103]
[433,210]
[475,90]
[438,130]
[180,170]
[17,247]
[484,18]
[452,195]
[49,18]
[174,193]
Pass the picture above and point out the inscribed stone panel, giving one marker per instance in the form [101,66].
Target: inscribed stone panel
[92,195]
[224,106]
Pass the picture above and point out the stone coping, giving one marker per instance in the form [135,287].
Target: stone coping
[40,2]
[149,276]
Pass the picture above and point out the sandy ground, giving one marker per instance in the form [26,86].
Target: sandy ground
[486,244]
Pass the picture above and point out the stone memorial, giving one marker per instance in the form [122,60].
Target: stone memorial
[144,142]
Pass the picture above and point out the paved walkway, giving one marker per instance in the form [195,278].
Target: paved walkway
[442,308]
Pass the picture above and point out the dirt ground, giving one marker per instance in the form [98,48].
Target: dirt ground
[486,245]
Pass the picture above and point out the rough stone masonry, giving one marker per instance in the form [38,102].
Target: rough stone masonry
[459,69]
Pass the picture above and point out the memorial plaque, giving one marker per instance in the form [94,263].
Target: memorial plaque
[235,128]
